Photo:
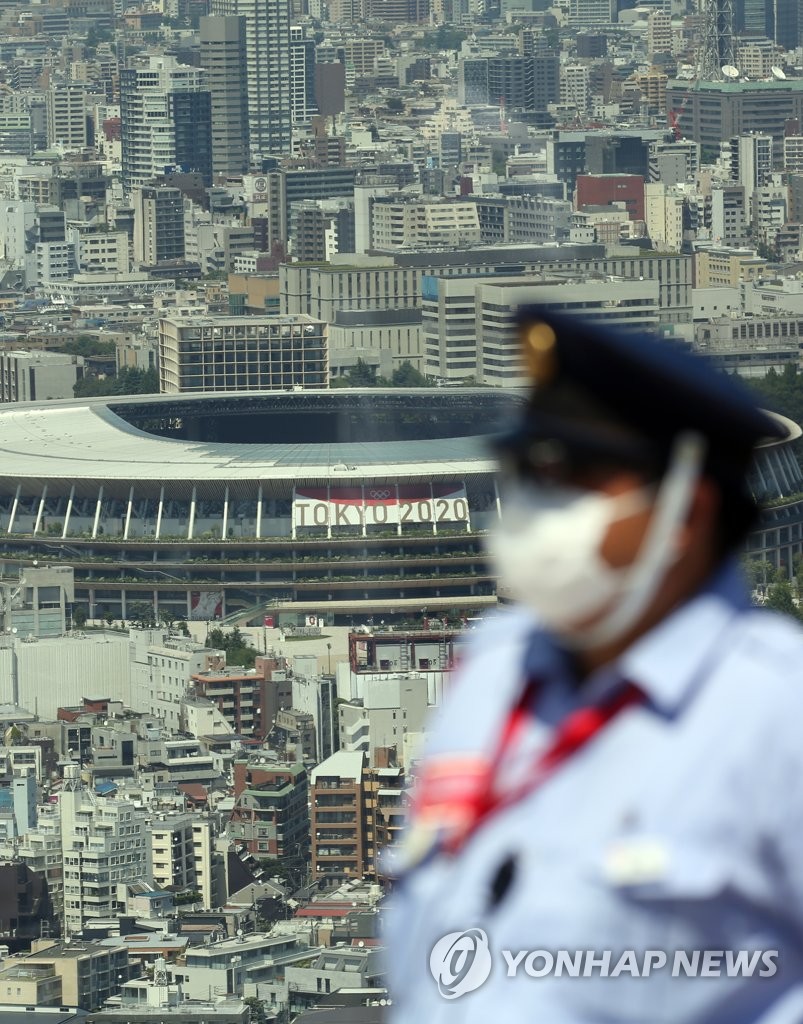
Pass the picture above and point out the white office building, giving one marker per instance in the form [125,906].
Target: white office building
[104,845]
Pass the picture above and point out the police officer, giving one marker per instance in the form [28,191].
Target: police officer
[607,825]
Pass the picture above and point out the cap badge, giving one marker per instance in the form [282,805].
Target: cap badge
[539,352]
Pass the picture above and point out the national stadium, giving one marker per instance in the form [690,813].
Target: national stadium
[344,504]
[339,503]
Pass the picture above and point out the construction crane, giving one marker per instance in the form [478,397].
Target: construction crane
[675,116]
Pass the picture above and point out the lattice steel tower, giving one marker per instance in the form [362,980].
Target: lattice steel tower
[717,47]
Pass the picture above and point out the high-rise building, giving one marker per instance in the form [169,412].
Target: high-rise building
[165,110]
[729,214]
[267,60]
[223,60]
[67,116]
[158,225]
[337,823]
[103,844]
[663,214]
[302,76]
[786,23]
[751,160]
[356,811]
[659,33]
[521,83]
[317,696]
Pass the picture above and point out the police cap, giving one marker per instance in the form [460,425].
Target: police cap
[606,396]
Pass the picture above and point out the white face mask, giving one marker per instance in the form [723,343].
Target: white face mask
[547,551]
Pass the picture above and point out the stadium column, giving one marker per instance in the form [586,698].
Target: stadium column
[160,512]
[41,511]
[68,512]
[98,507]
[193,502]
[14,504]
[128,511]
[259,513]
[398,507]
[226,514]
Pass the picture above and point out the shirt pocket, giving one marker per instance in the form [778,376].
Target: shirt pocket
[691,900]
[653,868]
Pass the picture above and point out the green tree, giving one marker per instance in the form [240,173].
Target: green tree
[781,599]
[108,618]
[406,376]
[79,617]
[129,381]
[238,650]
[140,613]
[181,898]
[274,867]
[86,345]
[759,572]
[362,375]
[182,627]
[256,1010]
[166,617]
[447,38]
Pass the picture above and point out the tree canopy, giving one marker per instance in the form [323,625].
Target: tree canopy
[129,381]
[86,345]
[362,375]
[238,650]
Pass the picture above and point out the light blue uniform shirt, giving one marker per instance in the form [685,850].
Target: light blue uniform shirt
[679,826]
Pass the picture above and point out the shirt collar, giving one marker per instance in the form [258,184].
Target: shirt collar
[666,662]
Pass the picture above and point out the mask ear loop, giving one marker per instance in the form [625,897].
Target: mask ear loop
[657,552]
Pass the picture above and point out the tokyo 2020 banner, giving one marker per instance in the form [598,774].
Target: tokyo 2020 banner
[380,505]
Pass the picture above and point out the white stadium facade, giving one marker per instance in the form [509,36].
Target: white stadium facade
[339,503]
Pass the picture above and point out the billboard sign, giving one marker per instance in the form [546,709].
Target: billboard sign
[380,505]
[206,605]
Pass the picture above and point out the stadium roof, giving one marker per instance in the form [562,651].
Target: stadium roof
[96,439]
